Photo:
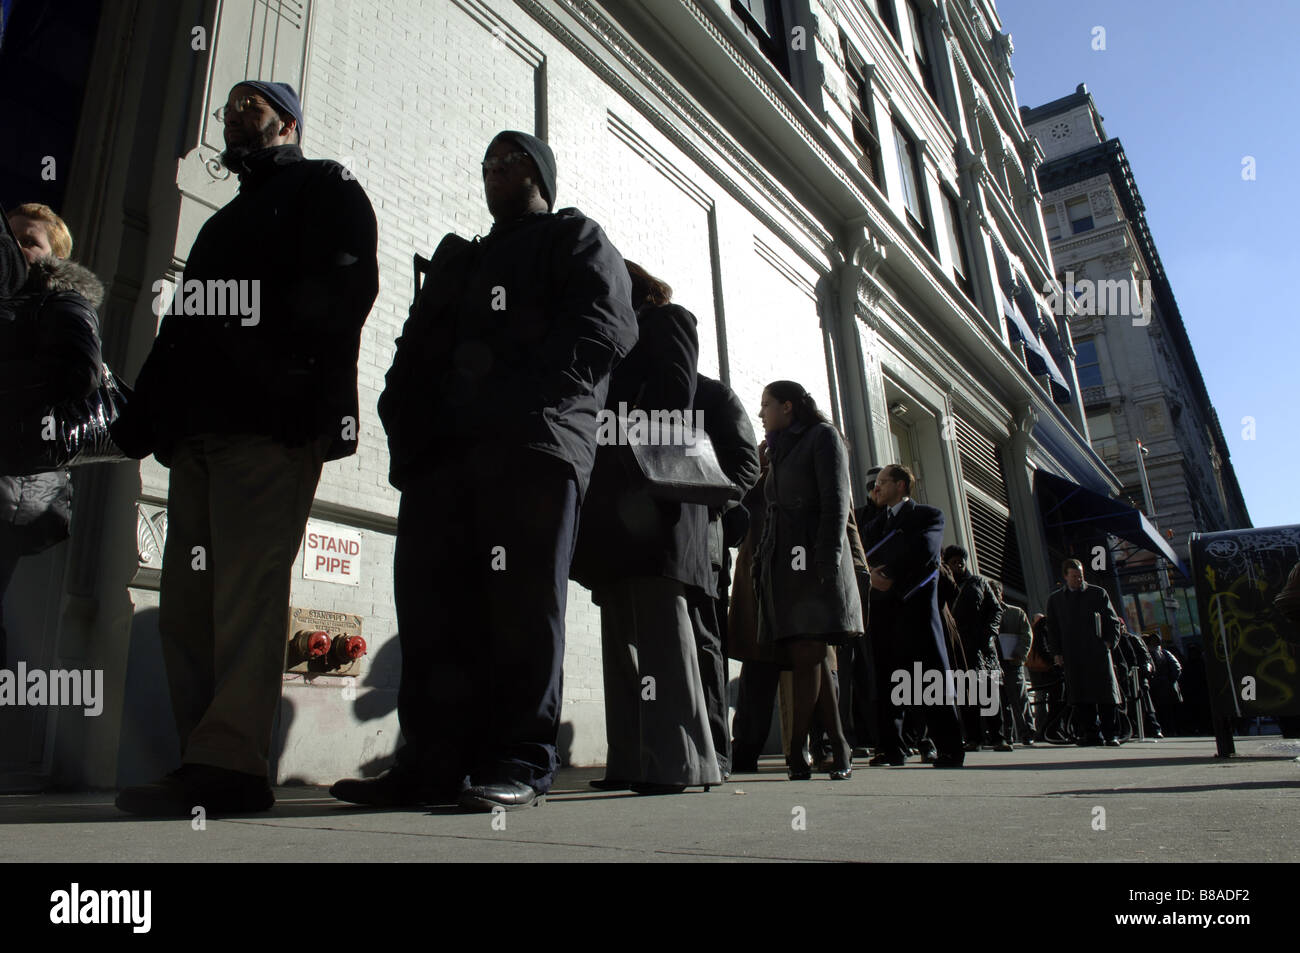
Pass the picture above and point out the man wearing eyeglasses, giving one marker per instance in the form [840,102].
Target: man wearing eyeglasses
[490,408]
[903,544]
[245,404]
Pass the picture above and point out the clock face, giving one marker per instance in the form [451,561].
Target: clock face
[1060,130]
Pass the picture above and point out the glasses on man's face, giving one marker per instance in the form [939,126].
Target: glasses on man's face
[241,104]
[492,163]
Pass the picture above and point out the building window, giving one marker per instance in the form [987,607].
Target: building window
[885,10]
[1052,223]
[957,244]
[1087,364]
[1080,214]
[864,127]
[909,173]
[920,54]
[761,21]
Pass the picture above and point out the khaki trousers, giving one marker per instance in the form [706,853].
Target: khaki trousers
[237,507]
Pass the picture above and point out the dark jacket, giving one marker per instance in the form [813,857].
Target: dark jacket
[509,345]
[803,568]
[1072,624]
[979,619]
[305,230]
[908,554]
[732,435]
[624,532]
[13,266]
[49,353]
[1016,622]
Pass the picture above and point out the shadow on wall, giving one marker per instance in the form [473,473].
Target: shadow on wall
[149,747]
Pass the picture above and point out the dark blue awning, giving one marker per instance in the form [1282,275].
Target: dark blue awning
[1037,357]
[1073,509]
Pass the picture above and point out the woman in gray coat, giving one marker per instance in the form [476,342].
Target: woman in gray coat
[803,570]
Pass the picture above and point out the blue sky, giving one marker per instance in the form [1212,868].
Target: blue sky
[1190,88]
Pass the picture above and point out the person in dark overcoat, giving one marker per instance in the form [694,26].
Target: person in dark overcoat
[491,411]
[727,425]
[903,544]
[645,561]
[803,569]
[1082,628]
[49,354]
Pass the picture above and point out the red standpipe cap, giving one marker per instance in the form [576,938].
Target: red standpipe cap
[314,644]
[350,647]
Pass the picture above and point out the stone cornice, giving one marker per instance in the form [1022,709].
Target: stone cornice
[688,112]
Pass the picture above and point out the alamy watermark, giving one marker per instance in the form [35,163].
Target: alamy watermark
[214,298]
[928,686]
[83,688]
[641,428]
[1107,297]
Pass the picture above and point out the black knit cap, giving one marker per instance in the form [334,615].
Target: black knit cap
[281,96]
[541,155]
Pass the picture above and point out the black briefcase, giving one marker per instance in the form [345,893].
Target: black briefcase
[670,460]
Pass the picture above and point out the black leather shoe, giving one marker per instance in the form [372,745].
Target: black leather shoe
[799,773]
[393,788]
[928,752]
[842,774]
[610,784]
[650,787]
[511,795]
[971,746]
[1110,743]
[881,760]
[949,761]
[216,790]
[1003,747]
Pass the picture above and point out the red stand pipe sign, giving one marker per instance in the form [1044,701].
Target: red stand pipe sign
[331,554]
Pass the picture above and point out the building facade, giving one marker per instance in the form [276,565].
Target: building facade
[1145,399]
[843,192]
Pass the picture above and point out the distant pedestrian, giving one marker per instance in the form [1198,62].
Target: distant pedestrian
[1082,628]
[1165,690]
[979,616]
[1015,639]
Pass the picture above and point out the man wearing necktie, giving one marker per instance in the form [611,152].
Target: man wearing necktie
[903,545]
[1082,628]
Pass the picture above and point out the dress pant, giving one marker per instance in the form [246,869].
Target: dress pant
[656,720]
[1048,687]
[1094,718]
[857,693]
[706,626]
[895,650]
[1017,723]
[480,580]
[755,700]
[237,506]
[9,557]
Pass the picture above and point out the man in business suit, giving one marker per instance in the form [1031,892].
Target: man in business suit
[903,544]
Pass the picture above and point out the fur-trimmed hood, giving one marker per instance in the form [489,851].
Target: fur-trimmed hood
[61,274]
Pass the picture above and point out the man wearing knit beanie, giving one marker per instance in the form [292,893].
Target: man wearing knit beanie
[246,393]
[490,408]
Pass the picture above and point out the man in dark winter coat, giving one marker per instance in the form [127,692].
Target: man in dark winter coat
[727,424]
[903,544]
[1166,694]
[1082,628]
[979,618]
[490,408]
[250,387]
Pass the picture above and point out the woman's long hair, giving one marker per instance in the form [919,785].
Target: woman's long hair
[646,288]
[805,407]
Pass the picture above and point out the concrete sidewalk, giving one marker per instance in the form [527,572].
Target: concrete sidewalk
[1167,801]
